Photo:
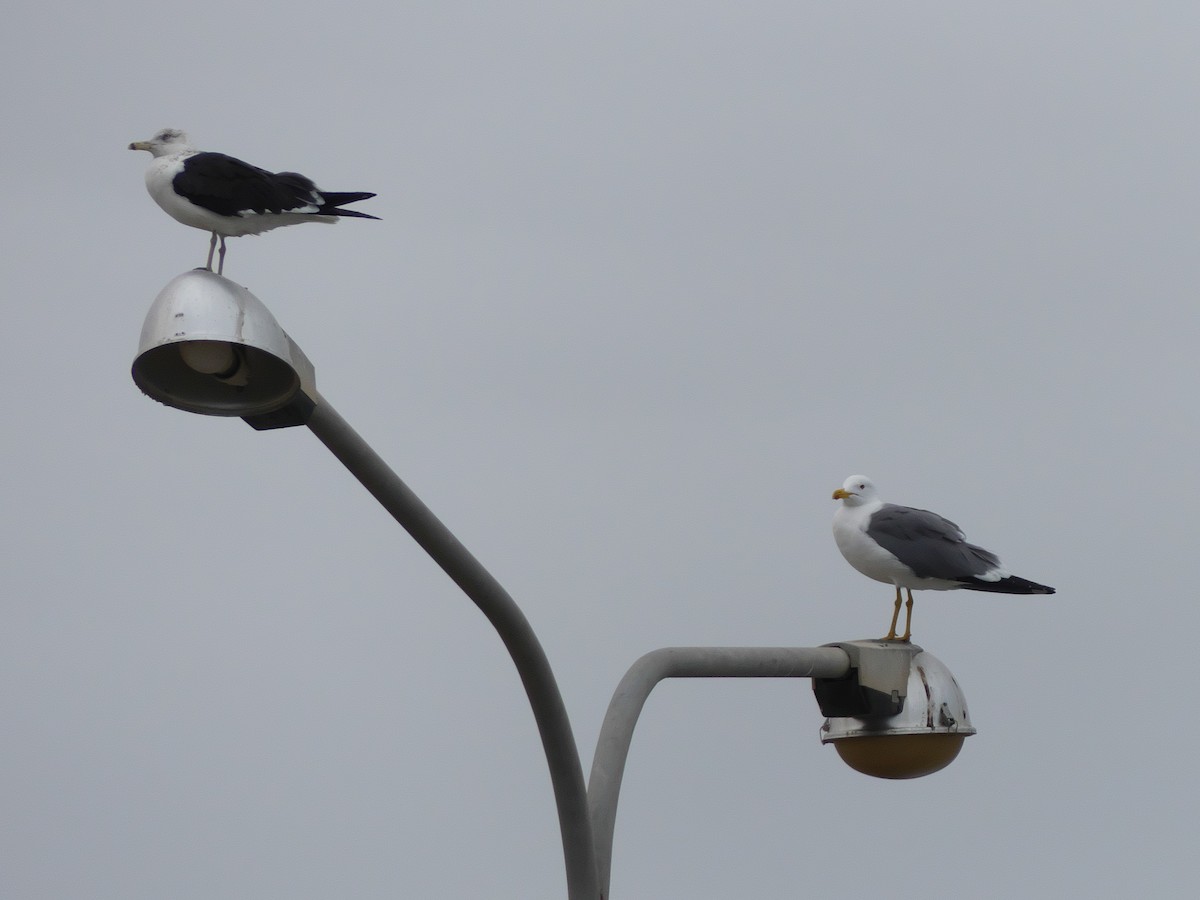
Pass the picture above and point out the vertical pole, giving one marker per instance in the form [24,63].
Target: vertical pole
[558,741]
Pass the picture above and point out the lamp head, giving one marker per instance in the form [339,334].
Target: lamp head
[210,346]
[899,713]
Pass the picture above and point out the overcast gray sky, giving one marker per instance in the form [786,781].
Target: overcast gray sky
[651,280]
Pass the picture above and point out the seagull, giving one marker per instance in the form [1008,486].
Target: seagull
[914,549]
[228,197]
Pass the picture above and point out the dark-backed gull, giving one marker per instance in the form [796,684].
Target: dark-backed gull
[914,549]
[228,197]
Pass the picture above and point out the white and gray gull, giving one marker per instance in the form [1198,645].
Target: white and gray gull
[228,197]
[914,549]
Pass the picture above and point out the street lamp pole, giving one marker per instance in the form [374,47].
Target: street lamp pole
[558,741]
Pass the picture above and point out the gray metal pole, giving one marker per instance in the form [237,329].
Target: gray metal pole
[558,741]
[612,747]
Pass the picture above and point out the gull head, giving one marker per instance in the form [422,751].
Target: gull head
[856,490]
[166,142]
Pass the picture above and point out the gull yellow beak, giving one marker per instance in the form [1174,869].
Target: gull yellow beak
[139,145]
[840,494]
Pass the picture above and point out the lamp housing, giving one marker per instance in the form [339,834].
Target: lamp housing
[898,713]
[210,346]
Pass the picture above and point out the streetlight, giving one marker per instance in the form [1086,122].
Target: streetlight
[900,715]
[269,382]
[210,346]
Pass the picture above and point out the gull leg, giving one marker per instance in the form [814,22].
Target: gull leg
[891,635]
[908,613]
[212,246]
[221,261]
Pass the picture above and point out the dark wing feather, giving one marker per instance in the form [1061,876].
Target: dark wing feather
[228,186]
[932,546]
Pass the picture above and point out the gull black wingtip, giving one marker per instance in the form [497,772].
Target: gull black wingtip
[335,201]
[1010,584]
[351,213]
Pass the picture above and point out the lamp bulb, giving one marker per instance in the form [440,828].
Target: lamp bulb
[208,357]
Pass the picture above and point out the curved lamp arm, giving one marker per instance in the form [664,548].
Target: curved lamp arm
[612,747]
